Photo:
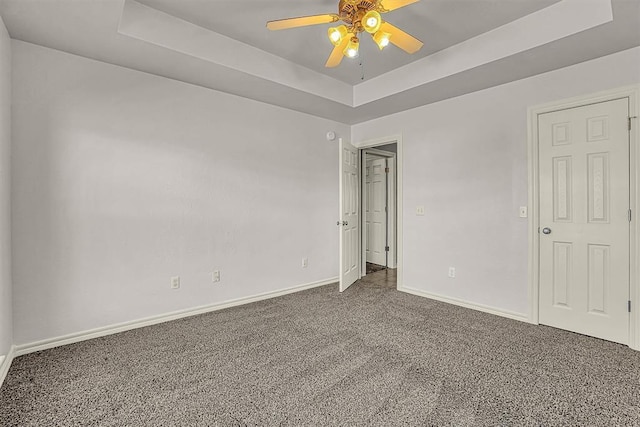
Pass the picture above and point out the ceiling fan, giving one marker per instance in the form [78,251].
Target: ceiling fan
[358,16]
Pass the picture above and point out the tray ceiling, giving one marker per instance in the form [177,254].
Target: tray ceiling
[438,23]
[224,45]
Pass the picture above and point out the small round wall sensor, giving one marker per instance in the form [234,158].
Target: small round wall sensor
[331,135]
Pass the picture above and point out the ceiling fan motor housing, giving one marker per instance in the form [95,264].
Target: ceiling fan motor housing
[352,11]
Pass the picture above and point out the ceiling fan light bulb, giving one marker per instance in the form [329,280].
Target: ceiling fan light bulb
[334,35]
[382,39]
[371,21]
[351,51]
[337,34]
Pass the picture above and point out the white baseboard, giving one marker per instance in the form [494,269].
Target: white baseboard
[154,320]
[466,304]
[5,364]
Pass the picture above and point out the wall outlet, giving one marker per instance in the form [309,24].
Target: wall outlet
[420,210]
[305,262]
[175,282]
[215,276]
[452,272]
[523,211]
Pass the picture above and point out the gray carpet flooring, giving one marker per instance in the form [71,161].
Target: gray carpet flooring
[370,356]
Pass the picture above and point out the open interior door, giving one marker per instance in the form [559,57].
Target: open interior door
[349,218]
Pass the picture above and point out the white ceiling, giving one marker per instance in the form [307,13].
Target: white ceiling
[224,45]
[438,23]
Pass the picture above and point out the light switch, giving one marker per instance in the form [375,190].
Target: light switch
[420,210]
[523,211]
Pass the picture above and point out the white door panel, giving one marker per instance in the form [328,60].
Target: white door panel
[584,202]
[349,221]
[376,214]
[367,211]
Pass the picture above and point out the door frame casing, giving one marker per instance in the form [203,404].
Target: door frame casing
[390,200]
[372,143]
[632,93]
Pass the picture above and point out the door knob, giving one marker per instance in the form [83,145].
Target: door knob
[546,230]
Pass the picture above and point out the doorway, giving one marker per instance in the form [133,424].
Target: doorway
[583,164]
[374,200]
[378,208]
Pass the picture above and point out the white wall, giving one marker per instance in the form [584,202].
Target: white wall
[6,317]
[123,179]
[465,160]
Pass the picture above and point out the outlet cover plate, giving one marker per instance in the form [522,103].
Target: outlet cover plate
[175,282]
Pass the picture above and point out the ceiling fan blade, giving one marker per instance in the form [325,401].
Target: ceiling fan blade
[303,21]
[404,41]
[390,5]
[337,53]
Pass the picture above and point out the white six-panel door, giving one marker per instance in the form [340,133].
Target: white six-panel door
[376,216]
[349,221]
[584,225]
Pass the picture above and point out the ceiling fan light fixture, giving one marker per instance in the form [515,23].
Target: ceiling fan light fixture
[351,51]
[382,39]
[356,17]
[337,34]
[371,21]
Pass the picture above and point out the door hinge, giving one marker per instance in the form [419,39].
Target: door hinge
[386,170]
[629,212]
[632,117]
[629,306]
[386,248]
